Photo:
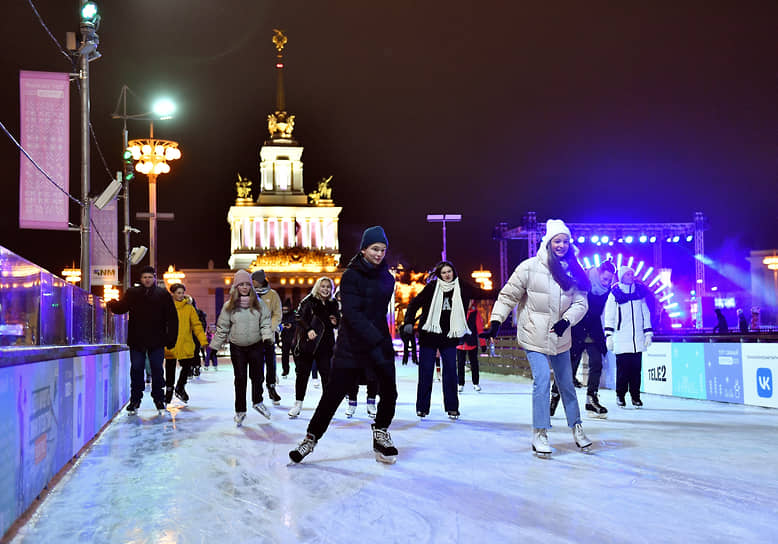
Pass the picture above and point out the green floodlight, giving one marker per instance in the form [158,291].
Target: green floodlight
[164,108]
[89,12]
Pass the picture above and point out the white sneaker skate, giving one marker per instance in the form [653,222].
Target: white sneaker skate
[371,409]
[296,409]
[239,417]
[540,443]
[476,387]
[581,440]
[262,409]
[351,409]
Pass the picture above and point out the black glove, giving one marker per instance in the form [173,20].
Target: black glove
[494,326]
[560,327]
[268,342]
[603,347]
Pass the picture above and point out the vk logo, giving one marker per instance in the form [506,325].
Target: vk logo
[764,382]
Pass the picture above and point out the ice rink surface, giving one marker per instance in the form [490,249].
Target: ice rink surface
[675,471]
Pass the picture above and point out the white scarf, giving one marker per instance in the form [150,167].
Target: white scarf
[458,321]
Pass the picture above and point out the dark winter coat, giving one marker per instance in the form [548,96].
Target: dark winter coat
[363,337]
[314,314]
[288,326]
[423,300]
[153,317]
[591,324]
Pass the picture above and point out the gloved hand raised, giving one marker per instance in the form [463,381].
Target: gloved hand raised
[494,326]
[560,327]
[609,342]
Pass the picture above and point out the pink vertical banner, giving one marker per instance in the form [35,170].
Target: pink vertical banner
[45,118]
[105,269]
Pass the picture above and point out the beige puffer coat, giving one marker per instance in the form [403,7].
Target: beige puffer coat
[541,303]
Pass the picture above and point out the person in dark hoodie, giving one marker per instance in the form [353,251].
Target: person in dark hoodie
[363,344]
[153,326]
[588,336]
[287,335]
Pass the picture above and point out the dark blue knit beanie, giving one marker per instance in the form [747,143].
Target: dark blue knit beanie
[373,235]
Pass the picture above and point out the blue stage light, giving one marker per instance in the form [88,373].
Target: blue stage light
[689,238]
[594,239]
[643,238]
[581,239]
[652,239]
[604,239]
[597,260]
[628,239]
[676,239]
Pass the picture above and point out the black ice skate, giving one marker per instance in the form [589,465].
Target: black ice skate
[620,402]
[304,448]
[453,414]
[384,449]
[160,406]
[168,395]
[273,394]
[594,408]
[181,394]
[132,407]
[637,403]
[554,402]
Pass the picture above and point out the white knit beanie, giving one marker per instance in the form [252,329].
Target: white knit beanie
[554,227]
[623,270]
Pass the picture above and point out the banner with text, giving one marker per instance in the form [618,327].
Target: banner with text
[104,241]
[44,119]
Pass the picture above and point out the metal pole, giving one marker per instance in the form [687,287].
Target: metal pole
[126,279]
[153,220]
[444,240]
[86,263]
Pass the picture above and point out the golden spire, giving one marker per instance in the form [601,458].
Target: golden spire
[280,124]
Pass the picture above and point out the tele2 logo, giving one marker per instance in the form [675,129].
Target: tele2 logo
[764,382]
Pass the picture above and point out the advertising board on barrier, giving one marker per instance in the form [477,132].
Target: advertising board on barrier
[658,369]
[760,367]
[723,372]
[688,370]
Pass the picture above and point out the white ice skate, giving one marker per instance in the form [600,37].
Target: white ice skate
[262,409]
[384,449]
[371,409]
[351,409]
[540,443]
[581,440]
[296,409]
[476,387]
[239,417]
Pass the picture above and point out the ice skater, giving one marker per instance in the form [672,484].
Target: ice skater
[245,322]
[588,335]
[153,326]
[442,324]
[550,291]
[364,344]
[287,336]
[468,349]
[628,333]
[317,317]
[273,302]
[189,329]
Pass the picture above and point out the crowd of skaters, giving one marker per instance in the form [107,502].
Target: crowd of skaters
[562,311]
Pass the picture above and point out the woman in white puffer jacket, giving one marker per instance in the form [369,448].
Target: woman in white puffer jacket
[628,333]
[550,292]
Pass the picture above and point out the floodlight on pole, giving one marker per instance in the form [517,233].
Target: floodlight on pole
[444,218]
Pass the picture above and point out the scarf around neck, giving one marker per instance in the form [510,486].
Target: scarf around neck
[458,320]
[244,301]
[594,279]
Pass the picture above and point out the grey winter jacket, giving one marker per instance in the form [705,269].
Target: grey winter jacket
[242,326]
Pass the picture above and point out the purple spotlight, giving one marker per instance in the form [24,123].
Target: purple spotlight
[581,239]
[594,239]
[628,239]
[652,239]
[604,239]
[643,238]
[689,237]
[676,239]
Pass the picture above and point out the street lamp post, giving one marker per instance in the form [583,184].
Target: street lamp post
[444,218]
[162,109]
[152,156]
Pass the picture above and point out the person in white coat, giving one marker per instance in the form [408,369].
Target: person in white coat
[628,333]
[550,292]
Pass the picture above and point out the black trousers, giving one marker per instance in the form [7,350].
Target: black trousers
[341,381]
[409,347]
[595,364]
[247,358]
[302,368]
[286,349]
[471,354]
[372,388]
[170,371]
[628,369]
[269,362]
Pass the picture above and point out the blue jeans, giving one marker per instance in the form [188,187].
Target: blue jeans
[427,367]
[137,369]
[541,388]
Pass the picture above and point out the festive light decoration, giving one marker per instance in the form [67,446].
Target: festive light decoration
[173,276]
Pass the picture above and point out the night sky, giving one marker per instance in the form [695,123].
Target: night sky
[586,111]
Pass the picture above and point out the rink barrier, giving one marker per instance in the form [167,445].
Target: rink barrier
[733,368]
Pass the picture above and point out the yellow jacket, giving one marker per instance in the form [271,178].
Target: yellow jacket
[188,323]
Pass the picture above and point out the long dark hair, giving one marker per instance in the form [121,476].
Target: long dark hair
[573,276]
[438,267]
